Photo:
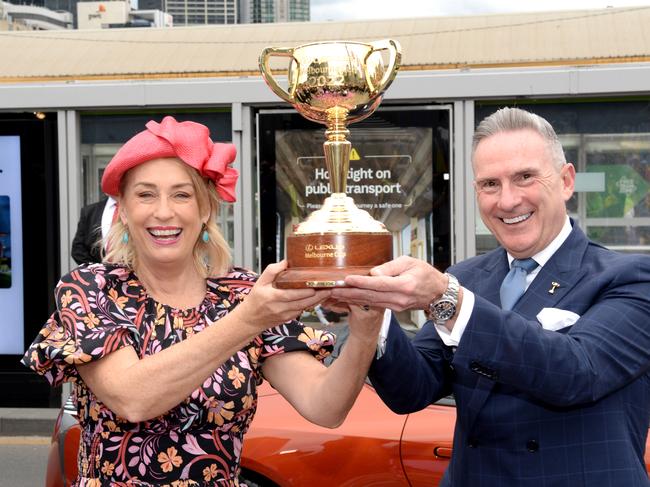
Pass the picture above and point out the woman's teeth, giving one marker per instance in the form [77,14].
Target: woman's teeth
[165,233]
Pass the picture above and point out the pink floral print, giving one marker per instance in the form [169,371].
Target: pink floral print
[103,307]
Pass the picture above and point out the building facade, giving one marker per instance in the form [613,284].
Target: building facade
[201,12]
[117,14]
[266,11]
[411,160]
[35,17]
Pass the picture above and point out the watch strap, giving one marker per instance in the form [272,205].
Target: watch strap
[450,295]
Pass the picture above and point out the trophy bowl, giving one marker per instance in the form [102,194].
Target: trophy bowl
[335,83]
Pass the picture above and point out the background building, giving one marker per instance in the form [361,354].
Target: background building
[197,12]
[152,4]
[116,13]
[34,14]
[60,5]
[266,11]
[8,24]
[35,17]
[587,72]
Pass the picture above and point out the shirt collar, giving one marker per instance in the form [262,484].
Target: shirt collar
[543,256]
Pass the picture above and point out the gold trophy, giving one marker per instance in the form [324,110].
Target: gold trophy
[335,83]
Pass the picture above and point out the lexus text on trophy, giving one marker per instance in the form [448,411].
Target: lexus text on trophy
[335,83]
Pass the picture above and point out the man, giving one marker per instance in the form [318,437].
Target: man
[94,223]
[551,386]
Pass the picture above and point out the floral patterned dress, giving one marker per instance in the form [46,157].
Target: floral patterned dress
[103,307]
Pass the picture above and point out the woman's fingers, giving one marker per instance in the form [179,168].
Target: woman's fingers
[280,305]
[336,306]
[365,323]
[271,272]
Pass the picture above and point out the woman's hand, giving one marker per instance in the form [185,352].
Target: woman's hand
[265,306]
[365,322]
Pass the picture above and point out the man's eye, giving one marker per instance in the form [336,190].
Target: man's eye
[488,185]
[526,178]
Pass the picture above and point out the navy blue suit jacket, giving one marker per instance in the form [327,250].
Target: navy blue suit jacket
[539,408]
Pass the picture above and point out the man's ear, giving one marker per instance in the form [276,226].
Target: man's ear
[568,178]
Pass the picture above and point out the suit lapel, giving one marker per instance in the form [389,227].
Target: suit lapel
[562,268]
[489,277]
[556,279]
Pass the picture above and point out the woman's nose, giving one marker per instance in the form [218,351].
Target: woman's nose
[163,209]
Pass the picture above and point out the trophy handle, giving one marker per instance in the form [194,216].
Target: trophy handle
[395,60]
[266,69]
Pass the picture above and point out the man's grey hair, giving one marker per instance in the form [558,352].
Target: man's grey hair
[513,119]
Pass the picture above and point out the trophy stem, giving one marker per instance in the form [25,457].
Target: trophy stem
[337,148]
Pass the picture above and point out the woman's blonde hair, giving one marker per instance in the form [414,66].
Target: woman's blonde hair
[211,258]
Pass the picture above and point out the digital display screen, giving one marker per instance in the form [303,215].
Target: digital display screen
[11,255]
[398,173]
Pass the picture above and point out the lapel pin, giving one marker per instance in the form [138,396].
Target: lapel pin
[554,286]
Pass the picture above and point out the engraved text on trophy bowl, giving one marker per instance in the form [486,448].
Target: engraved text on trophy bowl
[334,74]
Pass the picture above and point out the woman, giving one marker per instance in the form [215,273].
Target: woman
[166,344]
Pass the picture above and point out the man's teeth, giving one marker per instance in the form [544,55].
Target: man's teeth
[516,219]
[165,233]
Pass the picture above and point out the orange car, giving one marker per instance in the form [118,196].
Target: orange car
[373,447]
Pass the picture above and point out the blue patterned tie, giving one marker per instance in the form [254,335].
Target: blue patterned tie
[514,284]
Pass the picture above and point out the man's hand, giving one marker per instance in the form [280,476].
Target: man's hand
[403,283]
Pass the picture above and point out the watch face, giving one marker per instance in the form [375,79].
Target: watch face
[443,309]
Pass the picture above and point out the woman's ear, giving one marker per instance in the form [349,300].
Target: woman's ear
[205,217]
[121,212]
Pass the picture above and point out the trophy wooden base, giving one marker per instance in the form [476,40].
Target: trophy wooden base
[323,260]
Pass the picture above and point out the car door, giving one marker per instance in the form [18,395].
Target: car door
[427,443]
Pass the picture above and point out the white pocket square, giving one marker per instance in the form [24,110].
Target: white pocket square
[554,319]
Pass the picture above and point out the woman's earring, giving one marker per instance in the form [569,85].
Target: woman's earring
[125,238]
[205,236]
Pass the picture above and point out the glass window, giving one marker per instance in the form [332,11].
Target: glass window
[609,144]
[399,173]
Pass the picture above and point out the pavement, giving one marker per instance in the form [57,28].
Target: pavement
[23,461]
[27,421]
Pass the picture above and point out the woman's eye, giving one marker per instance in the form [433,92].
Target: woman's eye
[183,196]
[145,194]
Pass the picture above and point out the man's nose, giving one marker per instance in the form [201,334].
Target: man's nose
[509,197]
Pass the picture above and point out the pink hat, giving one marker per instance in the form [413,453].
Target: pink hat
[188,141]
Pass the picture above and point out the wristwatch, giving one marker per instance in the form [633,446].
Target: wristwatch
[442,309]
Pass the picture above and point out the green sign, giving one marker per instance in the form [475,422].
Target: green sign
[624,189]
